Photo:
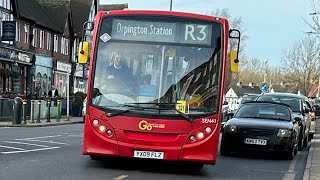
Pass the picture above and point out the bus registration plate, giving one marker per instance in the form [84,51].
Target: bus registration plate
[255,141]
[149,154]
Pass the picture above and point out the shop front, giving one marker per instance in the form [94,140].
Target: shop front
[43,74]
[80,79]
[15,68]
[60,78]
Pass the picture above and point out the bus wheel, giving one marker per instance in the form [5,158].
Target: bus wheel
[95,157]
[197,166]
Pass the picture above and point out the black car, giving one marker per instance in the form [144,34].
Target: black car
[300,110]
[261,126]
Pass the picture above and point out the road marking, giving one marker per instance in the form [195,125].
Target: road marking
[270,170]
[290,174]
[120,177]
[40,137]
[32,150]
[75,135]
[12,142]
[9,147]
[51,142]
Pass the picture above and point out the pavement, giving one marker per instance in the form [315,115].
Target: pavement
[43,122]
[312,170]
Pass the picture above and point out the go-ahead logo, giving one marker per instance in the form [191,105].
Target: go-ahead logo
[144,125]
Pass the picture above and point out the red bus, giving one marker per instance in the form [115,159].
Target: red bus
[155,86]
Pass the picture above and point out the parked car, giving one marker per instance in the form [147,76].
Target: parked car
[225,111]
[300,110]
[313,111]
[248,97]
[84,108]
[261,126]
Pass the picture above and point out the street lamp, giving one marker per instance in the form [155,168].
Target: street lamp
[170,5]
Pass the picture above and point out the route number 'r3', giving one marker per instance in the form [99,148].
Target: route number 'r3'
[195,32]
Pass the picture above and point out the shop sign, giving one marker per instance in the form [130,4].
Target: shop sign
[79,71]
[15,55]
[63,67]
[8,30]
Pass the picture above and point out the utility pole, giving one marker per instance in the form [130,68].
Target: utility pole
[318,94]
[170,5]
[265,72]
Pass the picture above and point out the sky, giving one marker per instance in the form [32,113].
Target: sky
[271,26]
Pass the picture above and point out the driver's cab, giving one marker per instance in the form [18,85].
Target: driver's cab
[161,73]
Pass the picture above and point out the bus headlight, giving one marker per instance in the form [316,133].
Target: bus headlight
[102,128]
[109,132]
[208,130]
[95,122]
[200,135]
[284,133]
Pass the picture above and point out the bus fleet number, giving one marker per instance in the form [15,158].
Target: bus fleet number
[209,121]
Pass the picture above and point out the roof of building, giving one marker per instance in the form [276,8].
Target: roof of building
[80,14]
[280,88]
[33,11]
[313,90]
[243,89]
[58,11]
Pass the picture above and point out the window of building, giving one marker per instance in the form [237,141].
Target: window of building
[41,39]
[5,4]
[56,43]
[26,33]
[35,37]
[18,36]
[48,41]
[64,46]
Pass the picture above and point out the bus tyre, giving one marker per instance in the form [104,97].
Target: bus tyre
[197,166]
[95,157]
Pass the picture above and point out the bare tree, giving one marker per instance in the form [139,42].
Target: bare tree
[315,19]
[301,64]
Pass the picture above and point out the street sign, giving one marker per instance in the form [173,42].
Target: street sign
[264,87]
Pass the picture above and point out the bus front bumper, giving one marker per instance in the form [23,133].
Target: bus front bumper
[96,144]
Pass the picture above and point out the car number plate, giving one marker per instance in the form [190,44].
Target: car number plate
[149,154]
[255,141]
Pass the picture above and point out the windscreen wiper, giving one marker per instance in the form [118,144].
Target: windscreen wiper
[124,111]
[164,106]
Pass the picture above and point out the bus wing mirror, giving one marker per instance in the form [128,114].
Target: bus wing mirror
[234,54]
[83,53]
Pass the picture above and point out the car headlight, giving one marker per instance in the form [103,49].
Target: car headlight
[284,133]
[231,129]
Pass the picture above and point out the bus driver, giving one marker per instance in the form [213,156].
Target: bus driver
[119,71]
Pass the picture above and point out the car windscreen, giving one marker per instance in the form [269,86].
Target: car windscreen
[264,111]
[293,102]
